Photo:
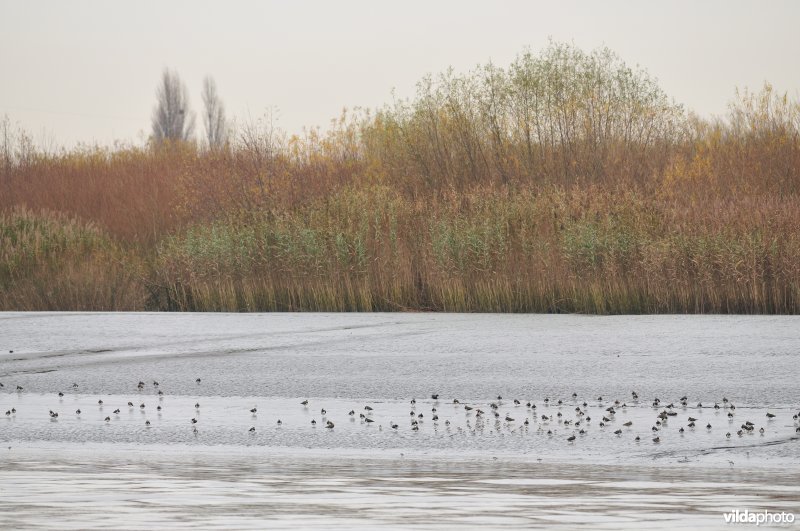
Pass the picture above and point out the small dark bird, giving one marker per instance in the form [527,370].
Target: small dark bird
[637,438]
[628,424]
[304,403]
[352,413]
[656,439]
[435,396]
[728,435]
[158,408]
[413,401]
[618,432]
[60,393]
[116,411]
[394,426]
[196,406]
[194,421]
[254,410]
[141,406]
[100,402]
[329,425]
[368,420]
[252,428]
[279,422]
[770,416]
[313,422]
[198,380]
[130,404]
[509,419]
[108,419]
[147,423]
[322,411]
[708,426]
[571,438]
[77,411]
[368,408]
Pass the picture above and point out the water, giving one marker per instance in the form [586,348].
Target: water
[464,469]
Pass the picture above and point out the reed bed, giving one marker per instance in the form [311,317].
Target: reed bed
[566,182]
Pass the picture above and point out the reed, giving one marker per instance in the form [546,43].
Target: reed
[566,182]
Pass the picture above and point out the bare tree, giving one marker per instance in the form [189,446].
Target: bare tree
[214,115]
[172,119]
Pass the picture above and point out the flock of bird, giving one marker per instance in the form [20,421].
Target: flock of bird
[551,417]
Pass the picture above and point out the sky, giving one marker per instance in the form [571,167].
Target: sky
[87,71]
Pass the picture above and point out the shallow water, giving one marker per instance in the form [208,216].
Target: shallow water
[461,469]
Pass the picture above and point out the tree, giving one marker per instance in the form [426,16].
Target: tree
[172,118]
[214,115]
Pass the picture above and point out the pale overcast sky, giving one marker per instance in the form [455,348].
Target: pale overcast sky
[87,70]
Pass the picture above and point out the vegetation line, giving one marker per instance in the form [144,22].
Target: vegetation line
[566,182]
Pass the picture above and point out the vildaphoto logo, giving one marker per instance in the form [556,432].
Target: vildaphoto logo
[758,518]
